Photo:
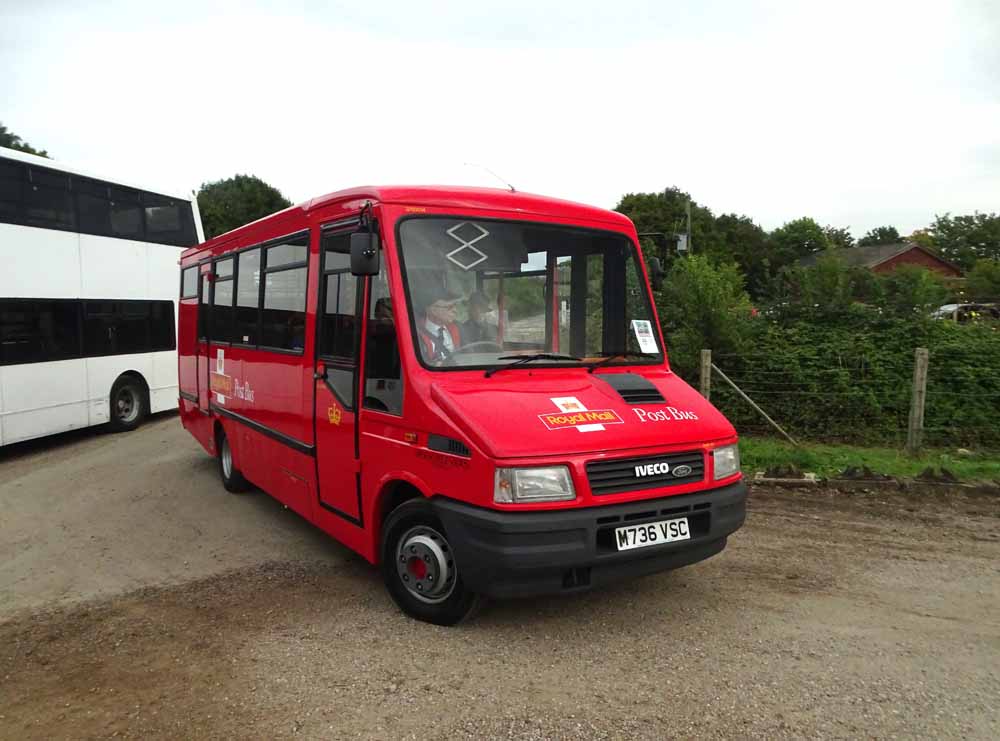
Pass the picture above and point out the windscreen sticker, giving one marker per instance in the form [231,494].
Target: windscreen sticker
[572,413]
[643,330]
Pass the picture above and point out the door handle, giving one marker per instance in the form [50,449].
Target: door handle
[320,371]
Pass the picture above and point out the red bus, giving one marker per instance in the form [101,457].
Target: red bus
[466,386]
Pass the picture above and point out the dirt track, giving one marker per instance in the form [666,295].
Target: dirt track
[137,598]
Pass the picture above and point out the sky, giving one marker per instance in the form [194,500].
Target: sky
[857,114]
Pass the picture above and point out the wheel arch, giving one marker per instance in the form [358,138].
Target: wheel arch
[393,490]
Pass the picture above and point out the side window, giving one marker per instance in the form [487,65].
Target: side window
[204,307]
[36,331]
[221,329]
[93,204]
[248,298]
[169,221]
[340,293]
[126,213]
[383,379]
[189,282]
[12,175]
[47,200]
[161,326]
[283,317]
[131,327]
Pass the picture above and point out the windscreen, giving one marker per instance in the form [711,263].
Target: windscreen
[485,293]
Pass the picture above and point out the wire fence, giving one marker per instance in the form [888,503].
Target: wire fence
[864,398]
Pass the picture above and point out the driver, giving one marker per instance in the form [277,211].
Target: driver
[439,333]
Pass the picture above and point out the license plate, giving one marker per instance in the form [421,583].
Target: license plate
[652,533]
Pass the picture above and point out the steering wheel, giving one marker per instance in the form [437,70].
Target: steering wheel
[488,344]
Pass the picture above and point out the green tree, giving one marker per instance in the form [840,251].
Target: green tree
[983,281]
[228,204]
[748,245]
[880,235]
[664,212]
[828,285]
[965,239]
[797,239]
[838,237]
[912,292]
[703,305]
[12,141]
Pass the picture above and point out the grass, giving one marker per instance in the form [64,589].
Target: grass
[825,460]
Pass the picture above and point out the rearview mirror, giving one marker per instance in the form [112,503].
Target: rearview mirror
[655,273]
[364,253]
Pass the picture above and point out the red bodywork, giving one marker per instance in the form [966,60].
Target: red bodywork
[295,442]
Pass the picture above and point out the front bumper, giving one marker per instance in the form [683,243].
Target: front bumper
[521,554]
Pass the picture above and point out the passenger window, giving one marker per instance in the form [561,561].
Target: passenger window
[283,318]
[383,379]
[222,302]
[126,214]
[48,202]
[189,283]
[161,326]
[203,307]
[93,206]
[35,331]
[248,297]
[11,179]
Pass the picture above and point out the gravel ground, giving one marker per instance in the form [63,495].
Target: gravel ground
[138,599]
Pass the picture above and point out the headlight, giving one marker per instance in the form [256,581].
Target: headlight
[727,461]
[519,485]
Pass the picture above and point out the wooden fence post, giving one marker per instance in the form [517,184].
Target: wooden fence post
[706,373]
[915,429]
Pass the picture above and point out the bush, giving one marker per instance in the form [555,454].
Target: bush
[703,305]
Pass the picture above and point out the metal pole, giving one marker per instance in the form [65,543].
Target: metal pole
[688,210]
[752,403]
[915,428]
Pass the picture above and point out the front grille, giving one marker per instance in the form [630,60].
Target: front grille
[615,476]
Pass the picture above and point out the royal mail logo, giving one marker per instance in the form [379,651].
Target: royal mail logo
[572,413]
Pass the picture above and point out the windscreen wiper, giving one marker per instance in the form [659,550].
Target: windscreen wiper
[523,359]
[615,355]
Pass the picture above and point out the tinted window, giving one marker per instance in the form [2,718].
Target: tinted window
[47,200]
[169,221]
[189,283]
[126,327]
[283,317]
[56,200]
[247,297]
[36,330]
[222,310]
[126,213]
[11,177]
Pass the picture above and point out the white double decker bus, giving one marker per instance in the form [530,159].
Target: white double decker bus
[89,282]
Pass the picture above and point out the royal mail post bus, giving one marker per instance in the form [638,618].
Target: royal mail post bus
[466,386]
[88,293]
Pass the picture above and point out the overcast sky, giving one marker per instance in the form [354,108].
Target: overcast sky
[855,113]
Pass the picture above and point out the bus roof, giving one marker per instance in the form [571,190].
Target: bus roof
[34,159]
[445,196]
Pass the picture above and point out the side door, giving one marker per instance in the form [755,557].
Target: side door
[201,350]
[339,314]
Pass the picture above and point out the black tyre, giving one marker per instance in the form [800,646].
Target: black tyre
[232,479]
[419,568]
[129,406]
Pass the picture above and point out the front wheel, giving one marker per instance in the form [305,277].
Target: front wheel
[419,567]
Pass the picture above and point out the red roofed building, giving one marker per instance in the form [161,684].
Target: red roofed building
[884,258]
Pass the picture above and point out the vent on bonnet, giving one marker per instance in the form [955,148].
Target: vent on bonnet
[632,388]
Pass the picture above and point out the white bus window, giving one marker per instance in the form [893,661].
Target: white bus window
[11,181]
[126,213]
[35,331]
[47,200]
